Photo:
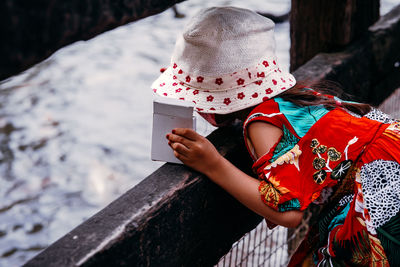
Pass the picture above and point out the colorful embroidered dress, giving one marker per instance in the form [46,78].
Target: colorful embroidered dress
[347,163]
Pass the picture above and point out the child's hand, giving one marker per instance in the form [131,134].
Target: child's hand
[193,149]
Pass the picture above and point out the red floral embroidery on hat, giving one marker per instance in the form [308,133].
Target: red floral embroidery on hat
[162,84]
[195,92]
[174,77]
[162,70]
[219,81]
[178,90]
[181,98]
[268,91]
[265,98]
[255,95]
[154,90]
[283,80]
[188,79]
[212,108]
[194,102]
[274,82]
[181,83]
[174,84]
[200,79]
[249,75]
[240,81]
[165,94]
[258,82]
[274,62]
[260,74]
[180,72]
[283,88]
[265,63]
[174,66]
[240,95]
[187,88]
[227,101]
[210,98]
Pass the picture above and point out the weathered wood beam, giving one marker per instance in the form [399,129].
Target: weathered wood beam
[33,30]
[327,26]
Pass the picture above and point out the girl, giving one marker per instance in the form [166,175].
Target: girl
[308,147]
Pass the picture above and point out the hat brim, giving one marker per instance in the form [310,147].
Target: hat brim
[228,100]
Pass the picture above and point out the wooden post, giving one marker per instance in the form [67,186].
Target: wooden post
[326,26]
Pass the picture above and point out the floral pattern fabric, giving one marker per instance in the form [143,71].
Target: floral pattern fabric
[348,164]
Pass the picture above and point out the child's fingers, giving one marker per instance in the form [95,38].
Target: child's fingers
[180,148]
[174,138]
[186,132]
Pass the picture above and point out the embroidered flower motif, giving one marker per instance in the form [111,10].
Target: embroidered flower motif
[181,98]
[162,84]
[314,143]
[283,88]
[154,90]
[268,91]
[240,81]
[283,80]
[255,95]
[265,63]
[174,84]
[163,69]
[174,66]
[319,176]
[274,62]
[194,102]
[178,90]
[274,82]
[180,72]
[181,83]
[258,82]
[210,98]
[319,163]
[341,170]
[212,108]
[261,74]
[249,73]
[227,101]
[174,77]
[200,79]
[165,94]
[333,154]
[195,92]
[219,81]
[188,79]
[240,95]
[320,149]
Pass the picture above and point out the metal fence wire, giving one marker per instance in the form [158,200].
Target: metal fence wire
[265,247]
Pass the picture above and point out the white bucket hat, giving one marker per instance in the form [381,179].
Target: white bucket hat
[224,61]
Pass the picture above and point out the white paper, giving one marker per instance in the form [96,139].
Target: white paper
[167,115]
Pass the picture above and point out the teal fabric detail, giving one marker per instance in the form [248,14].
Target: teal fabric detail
[301,118]
[287,142]
[339,219]
[293,204]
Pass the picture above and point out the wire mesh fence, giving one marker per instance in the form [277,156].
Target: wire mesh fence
[265,247]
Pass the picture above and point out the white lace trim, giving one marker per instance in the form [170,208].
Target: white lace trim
[377,115]
[381,190]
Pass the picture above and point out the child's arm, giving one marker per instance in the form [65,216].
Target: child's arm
[198,153]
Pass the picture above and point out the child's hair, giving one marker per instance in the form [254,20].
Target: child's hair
[323,93]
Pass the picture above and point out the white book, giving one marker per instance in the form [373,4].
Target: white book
[169,114]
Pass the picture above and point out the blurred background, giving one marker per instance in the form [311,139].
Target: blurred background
[75,129]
